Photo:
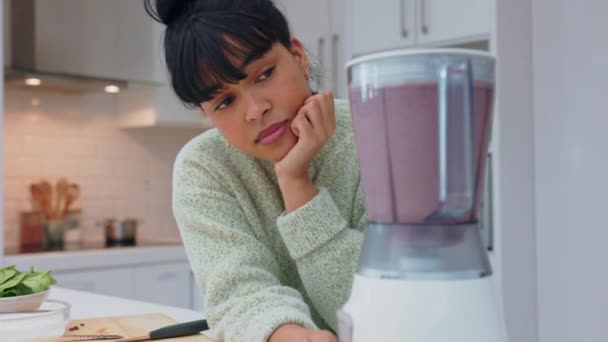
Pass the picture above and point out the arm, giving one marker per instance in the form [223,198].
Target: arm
[326,250]
[245,300]
[317,235]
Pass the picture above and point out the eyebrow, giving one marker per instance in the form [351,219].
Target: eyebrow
[250,58]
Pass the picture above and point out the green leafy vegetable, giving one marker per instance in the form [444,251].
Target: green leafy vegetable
[7,273]
[16,283]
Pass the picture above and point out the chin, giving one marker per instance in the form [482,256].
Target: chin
[278,152]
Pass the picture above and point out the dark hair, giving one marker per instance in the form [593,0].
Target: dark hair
[201,33]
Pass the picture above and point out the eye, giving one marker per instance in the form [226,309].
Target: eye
[225,103]
[266,74]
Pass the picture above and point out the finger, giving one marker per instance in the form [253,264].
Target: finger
[321,98]
[330,337]
[326,103]
[329,111]
[301,126]
[314,113]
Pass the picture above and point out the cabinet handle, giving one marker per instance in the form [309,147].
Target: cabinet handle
[167,275]
[321,51]
[404,32]
[424,27]
[334,54]
[487,214]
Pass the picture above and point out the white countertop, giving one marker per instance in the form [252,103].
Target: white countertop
[88,305]
[94,258]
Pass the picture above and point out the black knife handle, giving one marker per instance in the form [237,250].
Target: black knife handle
[181,329]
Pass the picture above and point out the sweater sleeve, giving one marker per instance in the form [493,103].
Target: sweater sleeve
[326,250]
[239,275]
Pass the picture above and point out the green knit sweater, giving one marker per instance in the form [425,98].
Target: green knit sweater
[258,267]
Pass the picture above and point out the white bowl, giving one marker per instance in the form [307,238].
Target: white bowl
[23,303]
[47,323]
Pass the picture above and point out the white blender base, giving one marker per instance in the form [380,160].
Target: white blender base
[422,311]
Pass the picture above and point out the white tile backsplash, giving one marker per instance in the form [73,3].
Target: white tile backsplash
[122,172]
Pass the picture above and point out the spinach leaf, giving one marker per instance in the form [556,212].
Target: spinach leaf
[16,283]
[18,290]
[39,281]
[7,273]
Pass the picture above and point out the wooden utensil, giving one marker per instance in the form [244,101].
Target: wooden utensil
[72,196]
[37,197]
[47,198]
[60,201]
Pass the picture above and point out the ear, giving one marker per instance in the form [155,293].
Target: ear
[297,50]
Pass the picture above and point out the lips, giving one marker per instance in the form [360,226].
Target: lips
[270,130]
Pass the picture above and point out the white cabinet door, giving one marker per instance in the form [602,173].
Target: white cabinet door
[167,284]
[114,282]
[77,37]
[198,301]
[320,26]
[100,37]
[382,24]
[449,20]
[113,39]
[60,37]
[139,43]
[389,24]
[339,56]
[309,22]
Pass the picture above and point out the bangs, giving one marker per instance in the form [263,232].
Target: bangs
[208,44]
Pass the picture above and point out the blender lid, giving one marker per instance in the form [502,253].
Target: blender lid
[397,66]
[414,52]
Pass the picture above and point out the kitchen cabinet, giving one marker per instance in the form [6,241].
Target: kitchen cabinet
[113,39]
[144,106]
[198,302]
[320,25]
[389,24]
[112,281]
[167,284]
[157,274]
[447,21]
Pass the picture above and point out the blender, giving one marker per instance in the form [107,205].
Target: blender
[421,121]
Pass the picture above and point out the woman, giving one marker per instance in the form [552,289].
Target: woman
[268,204]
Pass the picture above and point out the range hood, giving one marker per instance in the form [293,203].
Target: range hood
[24,69]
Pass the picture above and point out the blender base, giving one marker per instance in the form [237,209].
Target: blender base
[422,311]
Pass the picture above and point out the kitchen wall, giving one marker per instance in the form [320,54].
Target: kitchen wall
[570,119]
[122,172]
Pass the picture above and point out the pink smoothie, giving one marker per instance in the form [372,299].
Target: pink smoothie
[407,155]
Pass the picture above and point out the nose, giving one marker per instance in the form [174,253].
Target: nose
[257,106]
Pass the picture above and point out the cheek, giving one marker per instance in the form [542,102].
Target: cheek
[232,130]
[293,89]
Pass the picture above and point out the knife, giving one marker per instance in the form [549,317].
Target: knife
[74,338]
[175,330]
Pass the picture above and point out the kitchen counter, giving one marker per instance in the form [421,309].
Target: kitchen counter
[89,305]
[98,257]
[86,246]
[152,273]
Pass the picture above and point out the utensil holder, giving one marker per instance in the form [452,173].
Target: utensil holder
[53,234]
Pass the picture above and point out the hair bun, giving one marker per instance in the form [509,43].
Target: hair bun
[167,11]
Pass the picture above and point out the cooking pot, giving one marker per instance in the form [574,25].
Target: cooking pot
[120,232]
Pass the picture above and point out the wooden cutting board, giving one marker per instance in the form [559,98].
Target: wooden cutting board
[128,326]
